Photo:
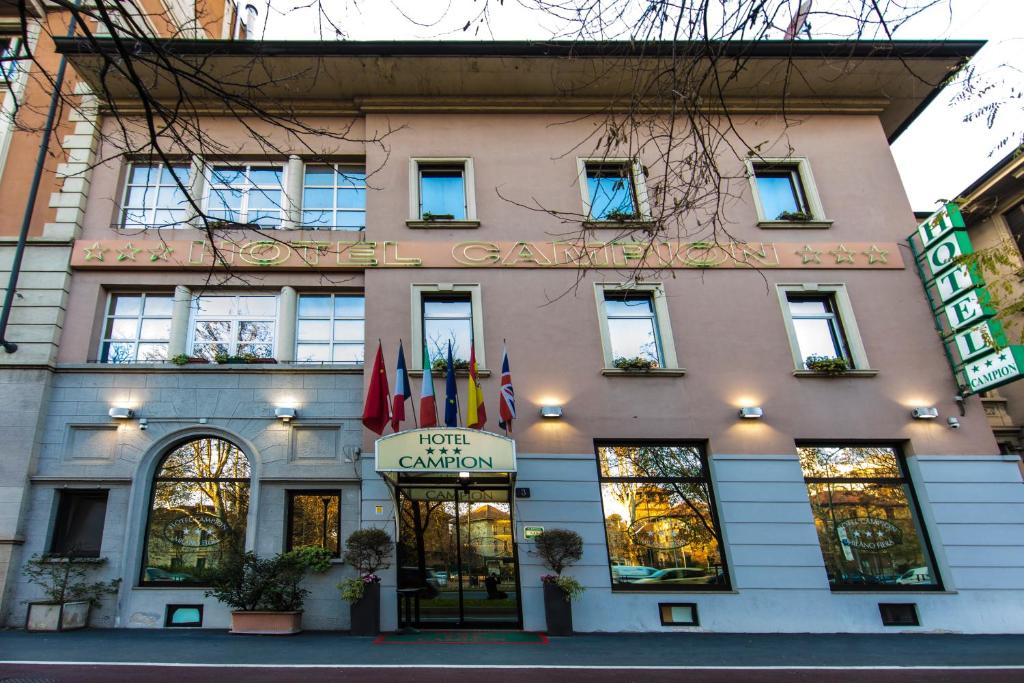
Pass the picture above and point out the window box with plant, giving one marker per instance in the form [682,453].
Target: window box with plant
[265,594]
[184,359]
[557,549]
[69,595]
[795,216]
[827,365]
[635,364]
[368,550]
[243,359]
[440,365]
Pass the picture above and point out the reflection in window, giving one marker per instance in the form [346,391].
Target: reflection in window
[443,191]
[137,328]
[611,191]
[247,194]
[198,514]
[334,197]
[447,319]
[632,327]
[863,509]
[153,196]
[314,519]
[329,328]
[780,192]
[660,521]
[234,325]
[819,331]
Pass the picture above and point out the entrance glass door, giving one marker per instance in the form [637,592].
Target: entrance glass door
[457,563]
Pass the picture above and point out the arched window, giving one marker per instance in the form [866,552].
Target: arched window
[197,514]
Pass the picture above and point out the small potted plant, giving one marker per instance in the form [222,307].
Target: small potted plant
[184,359]
[266,593]
[619,216]
[428,216]
[827,364]
[557,549]
[794,216]
[69,596]
[367,550]
[635,364]
[441,364]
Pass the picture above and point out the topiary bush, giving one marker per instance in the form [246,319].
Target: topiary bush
[558,548]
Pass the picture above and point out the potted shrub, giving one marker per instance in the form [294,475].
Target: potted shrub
[794,216]
[634,364]
[827,364]
[557,549]
[265,593]
[367,550]
[182,359]
[69,596]
[619,216]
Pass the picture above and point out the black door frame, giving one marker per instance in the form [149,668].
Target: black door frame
[460,622]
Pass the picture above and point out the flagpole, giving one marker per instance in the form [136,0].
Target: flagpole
[412,403]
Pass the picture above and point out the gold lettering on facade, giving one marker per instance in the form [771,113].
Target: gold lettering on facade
[192,258]
[310,250]
[808,255]
[476,253]
[265,252]
[876,255]
[525,252]
[396,260]
[766,255]
[842,254]
[705,255]
[357,253]
[589,255]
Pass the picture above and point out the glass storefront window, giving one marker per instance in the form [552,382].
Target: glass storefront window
[864,511]
[659,516]
[198,513]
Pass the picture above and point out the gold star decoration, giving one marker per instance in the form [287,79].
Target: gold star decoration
[842,254]
[95,252]
[808,255]
[160,252]
[876,255]
[127,253]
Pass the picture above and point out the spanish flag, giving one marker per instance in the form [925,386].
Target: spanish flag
[476,414]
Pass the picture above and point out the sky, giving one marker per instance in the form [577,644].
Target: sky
[938,156]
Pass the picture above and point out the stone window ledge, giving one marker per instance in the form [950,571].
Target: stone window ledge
[798,225]
[651,372]
[841,375]
[458,373]
[442,224]
[638,224]
[118,368]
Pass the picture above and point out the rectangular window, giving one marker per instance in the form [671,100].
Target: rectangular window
[448,318]
[442,191]
[1015,223]
[153,197]
[78,529]
[314,519]
[659,516]
[234,325]
[612,191]
[632,327]
[819,331]
[137,328]
[334,197]
[781,193]
[329,328]
[866,516]
[10,54]
[248,194]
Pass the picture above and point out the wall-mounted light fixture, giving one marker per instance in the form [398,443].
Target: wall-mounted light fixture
[924,413]
[751,412]
[121,413]
[284,414]
[553,412]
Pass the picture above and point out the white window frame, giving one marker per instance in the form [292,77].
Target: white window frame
[243,211]
[418,291]
[847,321]
[661,320]
[12,98]
[330,344]
[638,176]
[301,200]
[151,211]
[802,167]
[139,318]
[234,319]
[468,185]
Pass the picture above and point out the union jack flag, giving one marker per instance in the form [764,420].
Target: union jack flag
[507,409]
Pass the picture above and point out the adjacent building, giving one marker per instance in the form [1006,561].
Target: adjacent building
[737,430]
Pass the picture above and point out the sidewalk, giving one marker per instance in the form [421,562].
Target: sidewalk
[593,650]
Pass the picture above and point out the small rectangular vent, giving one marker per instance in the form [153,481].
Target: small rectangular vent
[899,613]
[678,613]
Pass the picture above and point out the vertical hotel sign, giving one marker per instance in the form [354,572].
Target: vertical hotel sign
[974,338]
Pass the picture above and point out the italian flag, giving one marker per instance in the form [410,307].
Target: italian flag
[428,407]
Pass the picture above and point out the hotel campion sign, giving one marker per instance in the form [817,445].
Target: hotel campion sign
[446,450]
[961,304]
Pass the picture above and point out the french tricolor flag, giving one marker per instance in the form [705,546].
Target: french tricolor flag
[402,390]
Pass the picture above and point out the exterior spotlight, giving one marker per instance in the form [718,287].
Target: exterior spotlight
[553,412]
[925,413]
[463,475]
[953,423]
[751,412]
[285,415]
[121,413]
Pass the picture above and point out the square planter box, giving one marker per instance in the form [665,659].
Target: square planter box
[48,616]
[557,610]
[266,623]
[365,612]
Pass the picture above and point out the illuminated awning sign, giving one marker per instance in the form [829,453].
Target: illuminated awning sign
[451,450]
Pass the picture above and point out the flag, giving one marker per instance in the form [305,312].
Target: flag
[451,394]
[428,408]
[375,412]
[507,404]
[402,391]
[476,413]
